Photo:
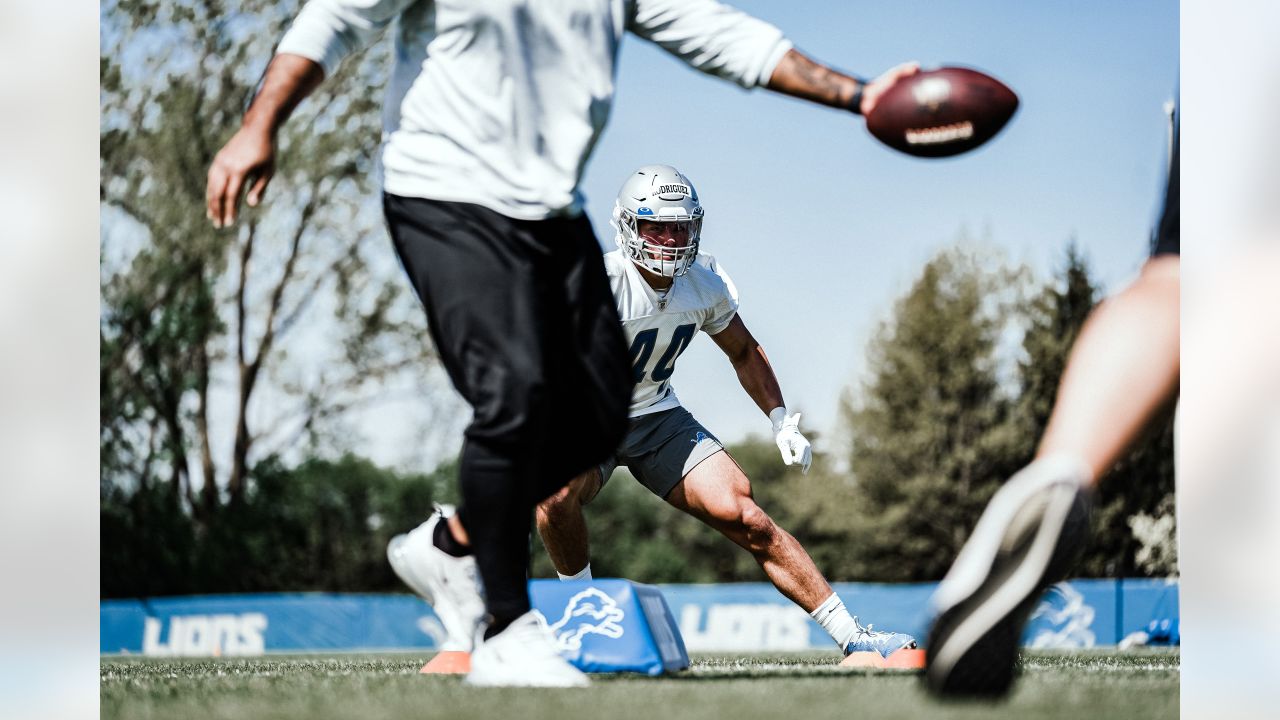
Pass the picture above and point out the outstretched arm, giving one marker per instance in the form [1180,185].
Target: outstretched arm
[322,34]
[249,157]
[799,76]
[724,41]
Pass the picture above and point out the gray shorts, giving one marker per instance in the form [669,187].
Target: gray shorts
[661,448]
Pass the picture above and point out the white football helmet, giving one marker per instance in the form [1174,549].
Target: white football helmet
[661,194]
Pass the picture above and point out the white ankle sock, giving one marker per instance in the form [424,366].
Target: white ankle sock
[835,619]
[583,574]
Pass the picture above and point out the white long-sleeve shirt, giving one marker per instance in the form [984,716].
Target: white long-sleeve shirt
[500,102]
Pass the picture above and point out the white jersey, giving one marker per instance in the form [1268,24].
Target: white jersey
[704,299]
[500,102]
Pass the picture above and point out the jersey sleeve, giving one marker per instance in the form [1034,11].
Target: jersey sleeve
[726,306]
[326,31]
[714,38]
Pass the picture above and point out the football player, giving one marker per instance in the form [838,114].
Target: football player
[666,292]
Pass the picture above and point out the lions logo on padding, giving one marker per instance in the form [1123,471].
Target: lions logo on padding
[1063,619]
[589,612]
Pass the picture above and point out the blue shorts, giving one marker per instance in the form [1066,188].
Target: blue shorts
[661,448]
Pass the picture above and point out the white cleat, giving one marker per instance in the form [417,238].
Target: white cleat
[450,585]
[523,655]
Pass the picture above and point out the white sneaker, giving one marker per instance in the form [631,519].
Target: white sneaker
[451,585]
[523,655]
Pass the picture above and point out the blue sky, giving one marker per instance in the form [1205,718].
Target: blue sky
[822,227]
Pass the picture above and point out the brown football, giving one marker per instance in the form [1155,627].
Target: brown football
[943,112]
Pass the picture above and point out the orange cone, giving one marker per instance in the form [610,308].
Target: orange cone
[905,659]
[869,659]
[448,662]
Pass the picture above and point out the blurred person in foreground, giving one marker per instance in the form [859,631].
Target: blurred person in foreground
[1123,369]
[667,290]
[491,114]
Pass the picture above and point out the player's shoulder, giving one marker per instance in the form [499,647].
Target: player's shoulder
[710,278]
[709,283]
[705,265]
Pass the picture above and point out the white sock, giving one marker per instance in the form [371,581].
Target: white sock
[583,574]
[836,620]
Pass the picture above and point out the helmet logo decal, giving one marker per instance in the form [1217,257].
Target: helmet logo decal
[643,211]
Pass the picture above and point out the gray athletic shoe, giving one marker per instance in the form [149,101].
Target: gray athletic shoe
[450,585]
[886,643]
[1027,539]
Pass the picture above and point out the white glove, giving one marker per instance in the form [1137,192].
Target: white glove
[793,445]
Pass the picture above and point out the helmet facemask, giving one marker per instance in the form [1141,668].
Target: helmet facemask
[662,199]
[653,253]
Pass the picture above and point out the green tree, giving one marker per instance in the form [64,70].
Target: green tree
[323,525]
[933,430]
[1054,318]
[221,348]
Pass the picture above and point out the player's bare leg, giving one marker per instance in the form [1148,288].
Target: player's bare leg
[718,493]
[562,526]
[1122,370]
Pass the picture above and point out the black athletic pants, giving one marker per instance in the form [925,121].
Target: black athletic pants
[524,321]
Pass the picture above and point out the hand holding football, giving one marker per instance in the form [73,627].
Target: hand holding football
[943,112]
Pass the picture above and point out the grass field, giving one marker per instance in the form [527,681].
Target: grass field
[1087,686]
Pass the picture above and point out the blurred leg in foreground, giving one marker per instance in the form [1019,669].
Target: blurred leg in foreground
[1123,368]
